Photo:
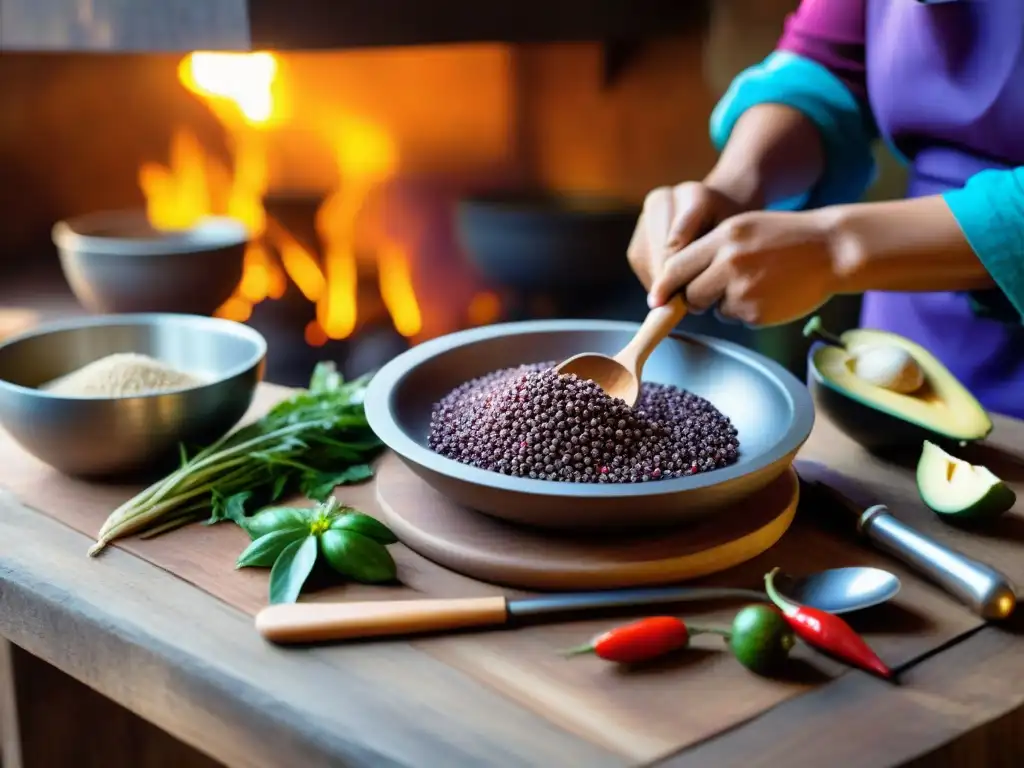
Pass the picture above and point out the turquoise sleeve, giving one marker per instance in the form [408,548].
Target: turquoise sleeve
[990,212]
[846,126]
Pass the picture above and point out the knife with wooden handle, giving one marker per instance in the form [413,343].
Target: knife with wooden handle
[981,587]
[318,622]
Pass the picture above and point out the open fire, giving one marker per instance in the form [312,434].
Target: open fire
[249,97]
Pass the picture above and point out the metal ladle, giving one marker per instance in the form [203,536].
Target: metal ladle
[839,590]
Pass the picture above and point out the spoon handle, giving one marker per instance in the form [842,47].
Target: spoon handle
[984,589]
[658,324]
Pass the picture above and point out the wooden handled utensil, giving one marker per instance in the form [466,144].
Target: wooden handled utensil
[318,622]
[620,376]
[839,590]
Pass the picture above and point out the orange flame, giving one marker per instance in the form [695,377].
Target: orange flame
[179,195]
[365,157]
[239,84]
[242,90]
[396,290]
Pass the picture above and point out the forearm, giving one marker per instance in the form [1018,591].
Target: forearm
[774,152]
[903,245]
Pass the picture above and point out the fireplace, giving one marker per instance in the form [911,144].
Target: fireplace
[349,166]
[347,176]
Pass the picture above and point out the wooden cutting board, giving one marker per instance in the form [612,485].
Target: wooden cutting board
[493,550]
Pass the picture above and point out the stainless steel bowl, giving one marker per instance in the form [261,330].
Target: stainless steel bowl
[115,261]
[116,436]
[771,409]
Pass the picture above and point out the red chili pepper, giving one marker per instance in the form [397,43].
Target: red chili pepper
[639,641]
[827,632]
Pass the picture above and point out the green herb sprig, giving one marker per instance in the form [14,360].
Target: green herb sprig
[288,540]
[310,443]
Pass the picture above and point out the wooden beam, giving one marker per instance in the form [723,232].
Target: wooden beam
[10,743]
[324,24]
[167,25]
[63,723]
[185,25]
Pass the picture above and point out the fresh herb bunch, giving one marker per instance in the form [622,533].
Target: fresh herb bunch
[288,540]
[309,443]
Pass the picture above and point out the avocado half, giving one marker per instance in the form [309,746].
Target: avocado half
[955,488]
[878,418]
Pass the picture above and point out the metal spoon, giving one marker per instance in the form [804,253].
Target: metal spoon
[840,590]
[620,376]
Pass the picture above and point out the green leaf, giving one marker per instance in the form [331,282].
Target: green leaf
[234,506]
[325,378]
[277,519]
[319,485]
[371,527]
[228,507]
[291,569]
[280,483]
[357,556]
[262,552]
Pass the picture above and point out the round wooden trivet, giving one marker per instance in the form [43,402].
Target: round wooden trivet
[493,550]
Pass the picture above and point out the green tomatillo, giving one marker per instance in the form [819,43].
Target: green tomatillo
[288,540]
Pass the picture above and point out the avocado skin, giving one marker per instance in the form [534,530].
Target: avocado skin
[995,503]
[875,430]
[997,500]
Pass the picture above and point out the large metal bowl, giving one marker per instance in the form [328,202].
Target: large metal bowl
[97,436]
[771,409]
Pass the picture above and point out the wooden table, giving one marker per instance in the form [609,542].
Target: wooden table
[193,667]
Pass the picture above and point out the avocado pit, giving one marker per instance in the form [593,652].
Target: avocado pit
[889,367]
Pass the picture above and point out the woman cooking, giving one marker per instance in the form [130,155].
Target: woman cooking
[942,83]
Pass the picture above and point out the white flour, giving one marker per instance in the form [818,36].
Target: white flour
[121,375]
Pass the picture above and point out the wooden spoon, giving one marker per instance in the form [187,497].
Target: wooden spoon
[620,376]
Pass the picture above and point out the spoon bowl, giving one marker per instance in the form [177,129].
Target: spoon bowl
[612,376]
[620,376]
[840,590]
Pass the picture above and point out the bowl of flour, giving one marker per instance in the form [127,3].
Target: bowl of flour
[115,395]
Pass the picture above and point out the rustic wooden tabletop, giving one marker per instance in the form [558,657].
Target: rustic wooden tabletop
[193,666]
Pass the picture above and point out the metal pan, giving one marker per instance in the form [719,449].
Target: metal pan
[770,408]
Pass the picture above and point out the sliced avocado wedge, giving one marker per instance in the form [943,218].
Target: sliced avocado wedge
[951,486]
[941,408]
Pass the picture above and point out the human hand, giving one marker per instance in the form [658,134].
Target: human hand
[671,219]
[761,268]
